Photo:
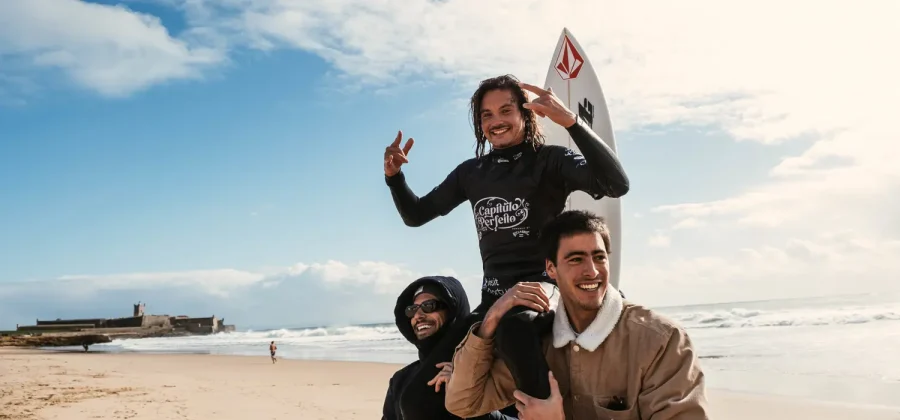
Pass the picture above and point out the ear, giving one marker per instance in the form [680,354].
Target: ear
[551,268]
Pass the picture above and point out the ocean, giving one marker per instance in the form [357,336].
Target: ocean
[839,349]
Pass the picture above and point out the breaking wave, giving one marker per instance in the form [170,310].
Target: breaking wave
[750,318]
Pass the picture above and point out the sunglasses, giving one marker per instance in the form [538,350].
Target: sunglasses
[427,306]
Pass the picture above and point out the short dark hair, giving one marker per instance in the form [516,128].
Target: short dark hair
[568,223]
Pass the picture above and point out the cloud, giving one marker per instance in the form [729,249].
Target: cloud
[832,263]
[109,49]
[660,240]
[767,72]
[810,72]
[326,293]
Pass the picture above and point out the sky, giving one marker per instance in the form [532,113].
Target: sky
[225,156]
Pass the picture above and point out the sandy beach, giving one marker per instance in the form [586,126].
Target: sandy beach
[73,386]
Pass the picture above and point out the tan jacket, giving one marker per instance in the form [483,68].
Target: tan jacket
[628,352]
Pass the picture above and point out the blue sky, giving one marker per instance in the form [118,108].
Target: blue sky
[229,155]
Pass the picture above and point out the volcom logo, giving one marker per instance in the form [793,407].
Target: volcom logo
[495,213]
[586,112]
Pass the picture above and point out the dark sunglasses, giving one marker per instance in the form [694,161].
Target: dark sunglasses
[427,306]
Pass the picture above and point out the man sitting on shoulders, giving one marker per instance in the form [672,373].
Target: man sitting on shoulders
[425,311]
[609,358]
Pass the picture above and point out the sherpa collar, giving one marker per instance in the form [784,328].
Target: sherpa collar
[600,328]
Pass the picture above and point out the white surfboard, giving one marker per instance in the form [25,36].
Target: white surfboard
[574,81]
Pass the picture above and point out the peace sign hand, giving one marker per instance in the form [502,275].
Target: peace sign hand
[394,156]
[548,105]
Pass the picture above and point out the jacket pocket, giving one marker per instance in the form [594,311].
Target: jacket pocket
[591,407]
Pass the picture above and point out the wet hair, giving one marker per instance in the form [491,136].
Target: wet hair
[510,83]
[569,223]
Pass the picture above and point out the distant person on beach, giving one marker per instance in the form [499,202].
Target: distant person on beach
[514,188]
[424,313]
[609,358]
[272,348]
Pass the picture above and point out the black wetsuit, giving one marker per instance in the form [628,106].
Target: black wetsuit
[513,193]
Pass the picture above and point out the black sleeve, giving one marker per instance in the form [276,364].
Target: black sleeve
[496,415]
[441,200]
[387,412]
[597,170]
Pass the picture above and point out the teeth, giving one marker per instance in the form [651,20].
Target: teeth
[423,327]
[589,286]
[499,131]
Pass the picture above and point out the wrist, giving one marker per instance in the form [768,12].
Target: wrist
[488,326]
[570,120]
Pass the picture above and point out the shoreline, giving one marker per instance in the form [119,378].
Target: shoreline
[65,384]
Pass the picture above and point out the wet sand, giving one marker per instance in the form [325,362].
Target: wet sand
[73,386]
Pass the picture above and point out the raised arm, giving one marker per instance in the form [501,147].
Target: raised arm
[413,210]
[597,171]
[416,211]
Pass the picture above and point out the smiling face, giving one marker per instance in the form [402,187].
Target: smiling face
[424,325]
[501,119]
[581,270]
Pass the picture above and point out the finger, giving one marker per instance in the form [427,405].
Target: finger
[536,298]
[532,302]
[538,91]
[398,156]
[409,144]
[392,151]
[397,140]
[535,290]
[554,387]
[523,399]
[521,409]
[536,107]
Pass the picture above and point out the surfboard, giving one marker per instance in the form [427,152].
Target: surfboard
[574,81]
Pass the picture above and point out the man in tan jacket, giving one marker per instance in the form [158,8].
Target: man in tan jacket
[609,358]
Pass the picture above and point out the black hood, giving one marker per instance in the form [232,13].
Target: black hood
[452,293]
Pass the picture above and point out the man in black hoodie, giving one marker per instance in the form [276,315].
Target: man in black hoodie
[425,311]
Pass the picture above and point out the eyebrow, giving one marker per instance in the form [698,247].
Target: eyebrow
[509,103]
[583,253]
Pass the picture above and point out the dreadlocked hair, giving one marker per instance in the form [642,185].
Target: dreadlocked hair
[510,83]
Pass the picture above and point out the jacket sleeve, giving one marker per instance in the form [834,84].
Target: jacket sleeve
[674,385]
[479,383]
[597,170]
[416,211]
[387,411]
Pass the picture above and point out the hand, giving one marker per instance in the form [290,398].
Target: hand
[443,376]
[548,105]
[531,408]
[394,156]
[528,294]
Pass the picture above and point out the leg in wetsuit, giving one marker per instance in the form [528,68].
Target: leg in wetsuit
[517,342]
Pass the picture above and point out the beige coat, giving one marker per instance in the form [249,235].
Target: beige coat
[628,352]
